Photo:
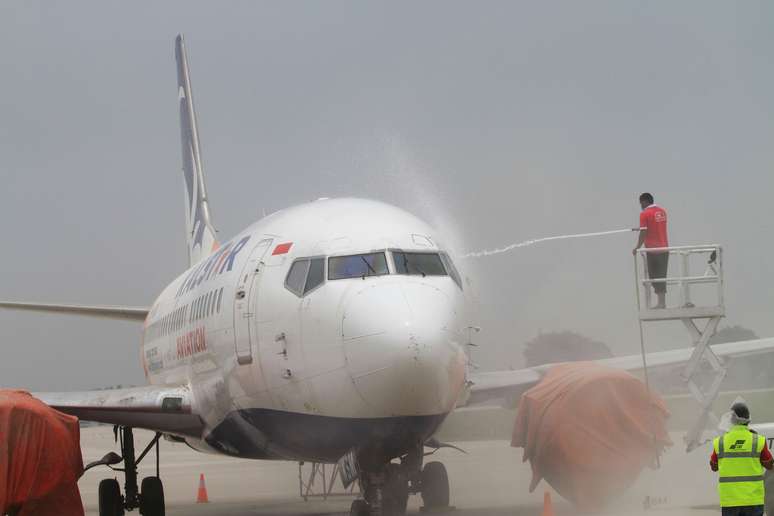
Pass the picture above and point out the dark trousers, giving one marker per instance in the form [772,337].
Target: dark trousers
[749,510]
[658,263]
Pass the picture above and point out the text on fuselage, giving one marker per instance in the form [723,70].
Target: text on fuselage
[191,343]
[221,261]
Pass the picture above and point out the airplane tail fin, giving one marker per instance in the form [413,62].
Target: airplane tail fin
[201,236]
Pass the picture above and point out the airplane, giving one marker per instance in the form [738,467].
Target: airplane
[333,331]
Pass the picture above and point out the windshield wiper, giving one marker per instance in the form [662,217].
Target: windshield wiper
[367,265]
[406,266]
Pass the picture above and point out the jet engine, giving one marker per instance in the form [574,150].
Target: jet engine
[589,431]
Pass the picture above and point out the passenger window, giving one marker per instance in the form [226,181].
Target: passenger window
[297,277]
[357,266]
[424,264]
[316,274]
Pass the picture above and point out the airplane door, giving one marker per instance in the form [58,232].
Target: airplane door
[246,303]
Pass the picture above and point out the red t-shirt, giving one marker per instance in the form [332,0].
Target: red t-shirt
[654,218]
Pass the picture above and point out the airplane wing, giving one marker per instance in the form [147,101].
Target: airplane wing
[162,408]
[130,313]
[506,387]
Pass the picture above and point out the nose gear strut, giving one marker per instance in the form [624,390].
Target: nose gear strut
[387,485]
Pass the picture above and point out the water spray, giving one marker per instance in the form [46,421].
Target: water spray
[511,247]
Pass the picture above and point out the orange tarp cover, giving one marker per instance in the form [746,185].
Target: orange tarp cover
[589,430]
[40,458]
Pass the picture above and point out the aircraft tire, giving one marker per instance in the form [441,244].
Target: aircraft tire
[109,495]
[435,485]
[358,508]
[152,497]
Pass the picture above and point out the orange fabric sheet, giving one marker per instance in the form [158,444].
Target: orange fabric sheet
[589,430]
[40,458]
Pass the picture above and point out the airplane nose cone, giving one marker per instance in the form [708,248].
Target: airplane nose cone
[402,349]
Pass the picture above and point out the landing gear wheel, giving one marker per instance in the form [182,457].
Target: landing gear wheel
[395,494]
[110,501]
[151,497]
[358,508]
[435,485]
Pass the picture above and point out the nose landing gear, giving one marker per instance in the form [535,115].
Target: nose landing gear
[149,499]
[386,487]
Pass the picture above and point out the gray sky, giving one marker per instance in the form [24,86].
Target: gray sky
[498,122]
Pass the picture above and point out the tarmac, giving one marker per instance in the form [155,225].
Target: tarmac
[490,479]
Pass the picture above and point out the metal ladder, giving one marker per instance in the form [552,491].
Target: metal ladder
[319,481]
[711,308]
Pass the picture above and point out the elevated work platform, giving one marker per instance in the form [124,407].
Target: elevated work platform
[690,296]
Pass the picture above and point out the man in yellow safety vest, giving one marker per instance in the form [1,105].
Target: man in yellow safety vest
[739,457]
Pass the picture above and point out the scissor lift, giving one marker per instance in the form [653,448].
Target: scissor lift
[690,298]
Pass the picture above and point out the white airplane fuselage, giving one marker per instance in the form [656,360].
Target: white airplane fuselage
[276,372]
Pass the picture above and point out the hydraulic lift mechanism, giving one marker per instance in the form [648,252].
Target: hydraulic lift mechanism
[691,298]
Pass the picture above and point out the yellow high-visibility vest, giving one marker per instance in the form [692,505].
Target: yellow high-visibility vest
[739,465]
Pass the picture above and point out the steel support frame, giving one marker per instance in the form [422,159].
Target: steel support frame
[326,474]
[706,397]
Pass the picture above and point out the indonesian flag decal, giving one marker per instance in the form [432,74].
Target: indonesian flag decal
[282,248]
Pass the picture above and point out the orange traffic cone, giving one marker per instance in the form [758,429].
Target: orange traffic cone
[201,496]
[548,507]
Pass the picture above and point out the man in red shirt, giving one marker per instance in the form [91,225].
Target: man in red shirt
[653,234]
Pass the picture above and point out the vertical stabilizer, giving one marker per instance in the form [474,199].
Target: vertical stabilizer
[200,234]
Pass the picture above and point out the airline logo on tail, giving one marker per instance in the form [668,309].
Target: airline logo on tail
[201,235]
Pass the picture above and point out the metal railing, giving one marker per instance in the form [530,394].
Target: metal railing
[685,279]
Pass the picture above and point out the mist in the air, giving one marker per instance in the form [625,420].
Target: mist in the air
[497,124]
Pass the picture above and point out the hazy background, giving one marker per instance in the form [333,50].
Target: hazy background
[497,122]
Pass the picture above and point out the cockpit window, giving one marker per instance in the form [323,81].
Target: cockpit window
[455,275]
[305,275]
[316,274]
[424,264]
[297,277]
[357,266]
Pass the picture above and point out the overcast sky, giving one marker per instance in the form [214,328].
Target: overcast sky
[495,121]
